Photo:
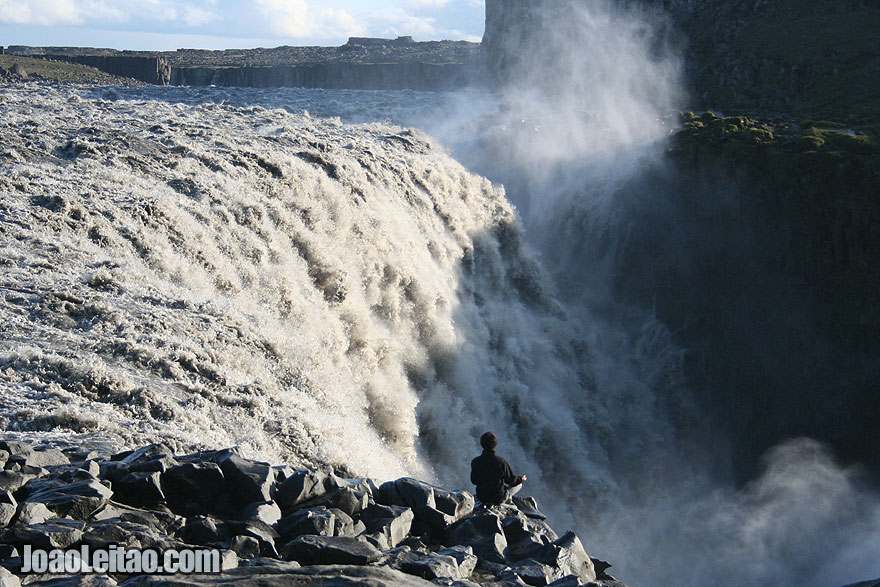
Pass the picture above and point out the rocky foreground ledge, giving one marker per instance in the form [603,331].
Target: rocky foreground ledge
[272,525]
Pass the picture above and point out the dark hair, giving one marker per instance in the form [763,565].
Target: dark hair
[488,440]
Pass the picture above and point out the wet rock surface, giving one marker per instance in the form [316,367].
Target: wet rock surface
[274,525]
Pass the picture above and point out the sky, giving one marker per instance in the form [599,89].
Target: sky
[165,25]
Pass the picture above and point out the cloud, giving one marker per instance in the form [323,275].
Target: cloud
[297,19]
[83,12]
[42,12]
[196,17]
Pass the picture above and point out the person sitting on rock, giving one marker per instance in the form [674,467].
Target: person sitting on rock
[495,482]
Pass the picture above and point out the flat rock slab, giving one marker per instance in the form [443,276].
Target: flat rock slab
[57,533]
[77,500]
[260,576]
[330,550]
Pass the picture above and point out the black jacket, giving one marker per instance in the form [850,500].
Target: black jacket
[490,473]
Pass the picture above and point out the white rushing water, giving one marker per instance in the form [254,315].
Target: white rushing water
[208,275]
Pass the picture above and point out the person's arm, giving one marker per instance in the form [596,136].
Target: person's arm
[508,477]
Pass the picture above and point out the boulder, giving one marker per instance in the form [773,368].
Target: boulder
[193,488]
[392,521]
[16,448]
[315,521]
[420,498]
[139,488]
[345,524]
[267,512]
[7,579]
[406,492]
[77,581]
[302,486]
[483,533]
[49,457]
[7,512]
[14,480]
[77,500]
[567,554]
[248,481]
[331,550]
[55,533]
[264,535]
[425,565]
[464,557]
[33,513]
[457,504]
[351,501]
[245,546]
[202,530]
[293,575]
[528,506]
[526,537]
[116,531]
[164,522]
[146,453]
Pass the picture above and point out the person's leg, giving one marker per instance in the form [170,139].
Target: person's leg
[511,491]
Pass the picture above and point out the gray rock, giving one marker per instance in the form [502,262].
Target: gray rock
[7,497]
[315,521]
[14,480]
[464,557]
[344,524]
[245,546]
[139,488]
[392,521]
[49,457]
[483,533]
[302,486]
[92,467]
[291,575]
[7,579]
[457,504]
[154,465]
[528,506]
[7,512]
[267,512]
[129,534]
[526,537]
[202,530]
[193,488]
[264,535]
[351,501]
[163,522]
[331,550]
[16,448]
[248,481]
[75,581]
[406,492]
[420,498]
[146,453]
[572,581]
[77,500]
[33,513]
[56,533]
[568,555]
[425,565]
